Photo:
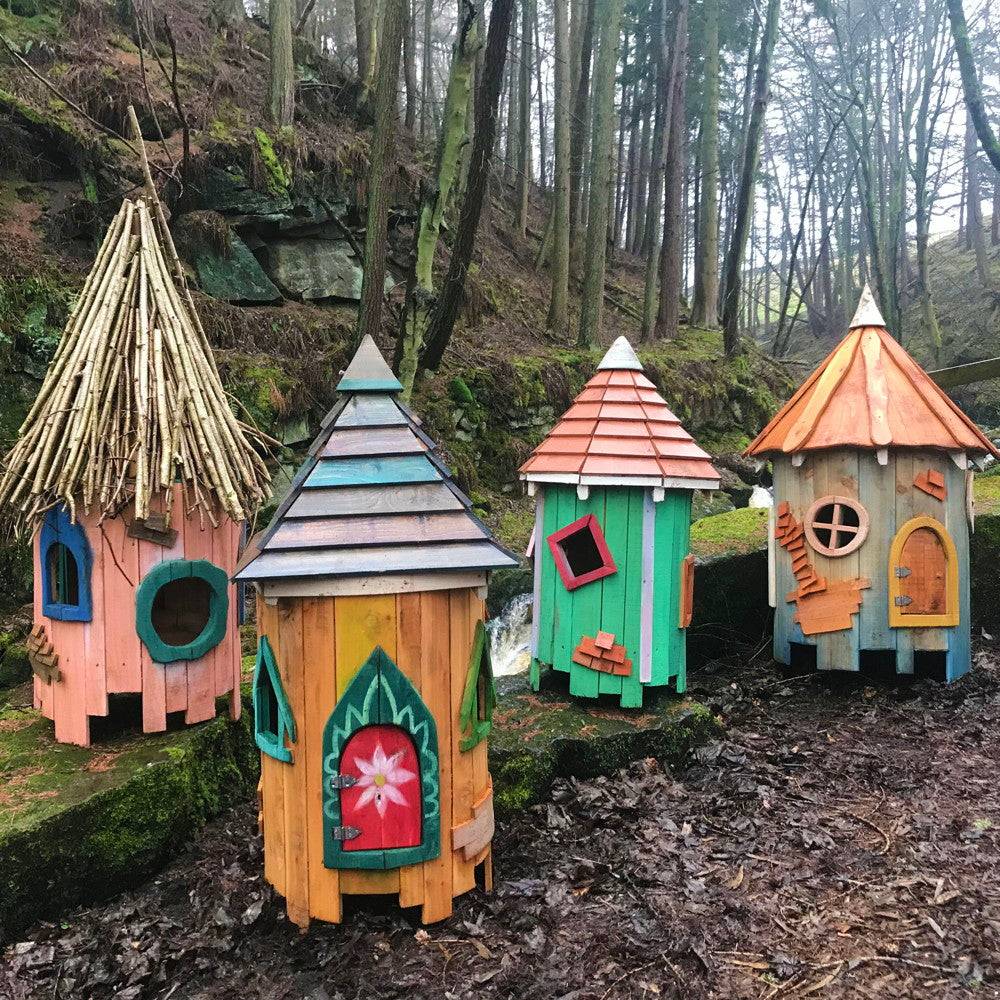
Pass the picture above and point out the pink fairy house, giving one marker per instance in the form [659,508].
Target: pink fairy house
[133,478]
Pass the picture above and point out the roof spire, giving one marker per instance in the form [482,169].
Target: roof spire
[368,371]
[620,357]
[867,313]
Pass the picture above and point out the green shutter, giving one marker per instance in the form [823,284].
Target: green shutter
[273,722]
[475,718]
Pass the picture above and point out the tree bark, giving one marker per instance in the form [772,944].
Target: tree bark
[558,317]
[380,172]
[281,84]
[970,83]
[446,309]
[364,21]
[409,65]
[600,174]
[581,116]
[420,299]
[524,117]
[748,176]
[673,253]
[705,310]
[974,205]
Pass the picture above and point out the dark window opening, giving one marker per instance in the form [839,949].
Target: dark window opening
[267,708]
[181,610]
[801,657]
[877,664]
[64,576]
[930,665]
[581,552]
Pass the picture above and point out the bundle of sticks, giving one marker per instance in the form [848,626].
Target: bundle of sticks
[132,401]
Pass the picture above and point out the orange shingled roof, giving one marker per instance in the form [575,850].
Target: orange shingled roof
[869,393]
[620,429]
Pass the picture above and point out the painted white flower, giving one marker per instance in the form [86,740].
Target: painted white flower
[380,778]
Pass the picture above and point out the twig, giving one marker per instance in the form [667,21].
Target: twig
[304,16]
[662,957]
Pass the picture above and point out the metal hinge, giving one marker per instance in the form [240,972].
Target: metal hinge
[342,781]
[903,600]
[345,832]
[902,572]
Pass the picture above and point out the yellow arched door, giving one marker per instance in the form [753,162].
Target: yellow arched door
[923,576]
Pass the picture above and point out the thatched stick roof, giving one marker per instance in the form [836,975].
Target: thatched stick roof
[132,401]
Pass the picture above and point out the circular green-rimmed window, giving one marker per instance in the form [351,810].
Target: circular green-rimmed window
[181,608]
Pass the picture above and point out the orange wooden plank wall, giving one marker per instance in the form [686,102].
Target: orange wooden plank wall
[105,656]
[320,643]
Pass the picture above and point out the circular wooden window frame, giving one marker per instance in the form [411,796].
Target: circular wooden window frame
[215,629]
[860,534]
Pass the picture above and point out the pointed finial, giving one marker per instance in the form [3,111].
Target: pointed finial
[867,313]
[368,371]
[620,357]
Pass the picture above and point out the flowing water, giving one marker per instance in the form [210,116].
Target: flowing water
[510,637]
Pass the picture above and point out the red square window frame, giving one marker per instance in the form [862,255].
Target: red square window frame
[569,579]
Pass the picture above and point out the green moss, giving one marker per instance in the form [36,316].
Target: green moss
[14,666]
[736,531]
[275,174]
[460,392]
[76,824]
[539,737]
[987,493]
[24,22]
[261,386]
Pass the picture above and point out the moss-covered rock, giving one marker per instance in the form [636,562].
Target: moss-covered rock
[539,737]
[77,825]
[735,532]
[984,558]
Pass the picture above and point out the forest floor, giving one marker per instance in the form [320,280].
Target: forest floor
[843,840]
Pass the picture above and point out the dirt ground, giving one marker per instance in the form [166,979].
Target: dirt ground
[841,841]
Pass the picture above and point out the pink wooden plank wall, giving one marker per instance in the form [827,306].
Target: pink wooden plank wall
[106,656]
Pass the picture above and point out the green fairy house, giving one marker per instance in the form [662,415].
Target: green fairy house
[613,579]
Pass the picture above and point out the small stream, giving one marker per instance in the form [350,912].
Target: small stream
[510,637]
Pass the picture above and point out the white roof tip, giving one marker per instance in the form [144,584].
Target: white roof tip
[867,313]
[620,357]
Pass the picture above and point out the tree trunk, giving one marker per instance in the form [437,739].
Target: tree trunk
[281,84]
[558,318]
[600,173]
[446,309]
[524,117]
[673,254]
[748,176]
[995,217]
[427,68]
[581,116]
[974,204]
[364,22]
[543,145]
[513,129]
[970,83]
[420,299]
[409,65]
[380,172]
[705,310]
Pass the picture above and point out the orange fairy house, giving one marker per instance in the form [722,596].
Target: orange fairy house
[614,579]
[373,690]
[869,542]
[134,478]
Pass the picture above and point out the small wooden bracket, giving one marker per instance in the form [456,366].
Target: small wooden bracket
[798,458]
[960,459]
[882,456]
[582,492]
[153,529]
[532,488]
[474,835]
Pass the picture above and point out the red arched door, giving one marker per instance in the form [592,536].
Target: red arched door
[384,802]
[926,583]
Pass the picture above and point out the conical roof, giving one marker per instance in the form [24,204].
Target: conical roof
[132,401]
[869,393]
[620,431]
[373,497]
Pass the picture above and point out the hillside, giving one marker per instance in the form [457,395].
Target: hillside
[270,227]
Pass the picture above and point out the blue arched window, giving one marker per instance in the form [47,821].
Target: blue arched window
[65,564]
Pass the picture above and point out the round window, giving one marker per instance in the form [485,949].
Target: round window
[181,609]
[836,526]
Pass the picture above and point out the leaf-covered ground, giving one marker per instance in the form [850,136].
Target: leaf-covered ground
[841,842]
